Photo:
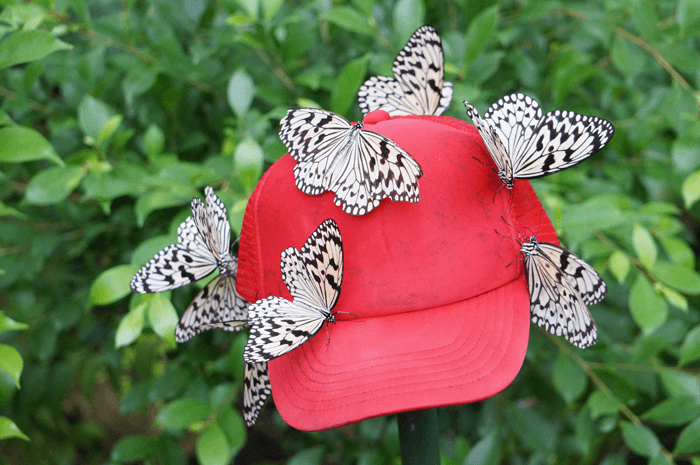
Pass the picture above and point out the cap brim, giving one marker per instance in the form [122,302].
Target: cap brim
[459,353]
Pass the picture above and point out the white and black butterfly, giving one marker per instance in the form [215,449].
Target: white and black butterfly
[218,305]
[561,285]
[525,145]
[313,276]
[361,167]
[418,88]
[256,389]
[203,242]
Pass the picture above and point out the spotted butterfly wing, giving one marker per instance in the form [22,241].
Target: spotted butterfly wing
[313,276]
[360,167]
[256,389]
[202,246]
[582,277]
[218,305]
[418,88]
[555,303]
[538,145]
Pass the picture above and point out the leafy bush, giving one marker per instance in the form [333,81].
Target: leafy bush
[116,114]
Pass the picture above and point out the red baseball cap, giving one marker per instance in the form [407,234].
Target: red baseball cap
[441,320]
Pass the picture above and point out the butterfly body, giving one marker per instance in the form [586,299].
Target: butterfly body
[360,167]
[418,87]
[314,277]
[560,286]
[525,144]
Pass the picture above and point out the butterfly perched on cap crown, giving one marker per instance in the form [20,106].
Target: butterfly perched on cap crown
[418,87]
[560,286]
[361,167]
[524,144]
[313,276]
[204,239]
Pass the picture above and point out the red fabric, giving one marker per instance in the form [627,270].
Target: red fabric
[440,318]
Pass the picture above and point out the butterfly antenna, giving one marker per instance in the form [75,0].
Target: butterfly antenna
[486,164]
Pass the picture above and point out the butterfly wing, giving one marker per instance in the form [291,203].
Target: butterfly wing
[418,88]
[539,146]
[212,224]
[582,277]
[361,167]
[256,388]
[385,93]
[494,145]
[419,70]
[218,305]
[177,265]
[554,303]
[313,276]
[278,326]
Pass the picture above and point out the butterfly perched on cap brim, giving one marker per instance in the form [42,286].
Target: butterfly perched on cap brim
[561,285]
[360,167]
[524,144]
[314,277]
[418,87]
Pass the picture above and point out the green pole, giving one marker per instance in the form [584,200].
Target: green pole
[418,437]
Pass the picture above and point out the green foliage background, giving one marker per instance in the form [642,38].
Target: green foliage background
[116,113]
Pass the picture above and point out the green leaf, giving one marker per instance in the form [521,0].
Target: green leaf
[109,129]
[673,297]
[644,246]
[212,447]
[687,14]
[181,413]
[674,411]
[640,439]
[148,203]
[602,404]
[232,424]
[8,324]
[481,29]
[678,251]
[689,439]
[26,46]
[690,350]
[680,384]
[11,362]
[619,264]
[111,285]
[248,160]
[648,309]
[534,430]
[250,7]
[240,92]
[8,429]
[312,456]
[348,83]
[627,57]
[93,115]
[691,189]
[132,448]
[53,185]
[153,141]
[677,277]
[19,144]
[130,327]
[270,8]
[408,15]
[169,451]
[485,452]
[162,316]
[346,17]
[568,377]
